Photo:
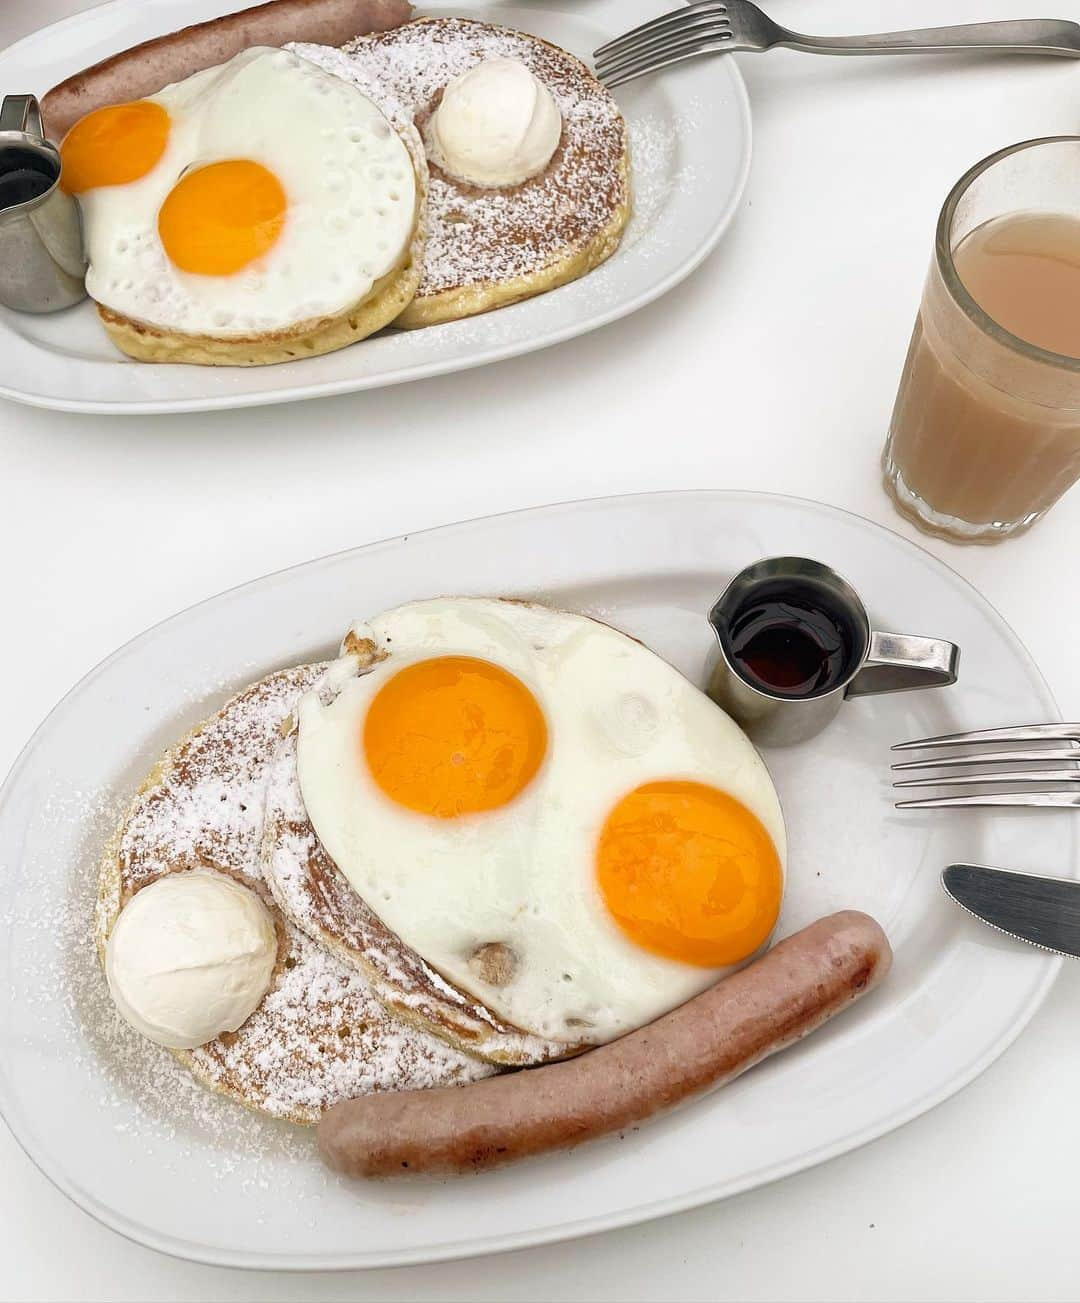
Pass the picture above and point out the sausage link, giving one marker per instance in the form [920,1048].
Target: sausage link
[145,69]
[787,993]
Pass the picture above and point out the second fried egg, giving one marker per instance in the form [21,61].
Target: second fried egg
[548,813]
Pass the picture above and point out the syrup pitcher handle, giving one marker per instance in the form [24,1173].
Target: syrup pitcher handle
[899,662]
[22,113]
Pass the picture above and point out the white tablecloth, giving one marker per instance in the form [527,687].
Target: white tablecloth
[773,368]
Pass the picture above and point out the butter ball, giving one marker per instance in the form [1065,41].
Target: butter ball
[191,956]
[496,125]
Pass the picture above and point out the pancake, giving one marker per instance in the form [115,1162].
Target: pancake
[315,895]
[320,1035]
[491,247]
[383,304]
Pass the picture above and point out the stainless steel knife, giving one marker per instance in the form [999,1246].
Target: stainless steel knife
[1045,912]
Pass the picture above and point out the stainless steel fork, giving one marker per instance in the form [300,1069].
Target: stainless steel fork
[1034,745]
[728,26]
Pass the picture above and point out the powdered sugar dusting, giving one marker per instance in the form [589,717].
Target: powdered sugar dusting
[653,147]
[481,236]
[208,810]
[144,1090]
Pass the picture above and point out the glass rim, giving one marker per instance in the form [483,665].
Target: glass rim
[947,267]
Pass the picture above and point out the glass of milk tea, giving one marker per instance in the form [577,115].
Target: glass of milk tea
[985,434]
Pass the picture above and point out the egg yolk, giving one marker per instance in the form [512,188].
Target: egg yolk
[689,872]
[454,735]
[113,146]
[219,218]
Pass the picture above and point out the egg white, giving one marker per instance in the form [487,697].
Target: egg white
[347,176]
[524,875]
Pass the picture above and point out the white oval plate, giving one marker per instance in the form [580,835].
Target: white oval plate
[123,1131]
[690,143]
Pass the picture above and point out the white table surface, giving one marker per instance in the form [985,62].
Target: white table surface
[774,368]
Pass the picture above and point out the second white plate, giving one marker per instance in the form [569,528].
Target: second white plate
[122,1129]
[690,145]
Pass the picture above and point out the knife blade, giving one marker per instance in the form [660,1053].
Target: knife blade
[1044,912]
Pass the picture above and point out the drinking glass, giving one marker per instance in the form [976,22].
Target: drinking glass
[985,434]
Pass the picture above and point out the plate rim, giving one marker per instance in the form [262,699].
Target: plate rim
[510,1241]
[428,370]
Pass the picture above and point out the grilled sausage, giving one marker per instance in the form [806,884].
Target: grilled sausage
[794,988]
[145,69]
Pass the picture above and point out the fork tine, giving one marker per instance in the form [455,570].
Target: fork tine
[653,62]
[1018,733]
[701,26]
[658,47]
[1019,777]
[1045,800]
[675,18]
[651,55]
[992,758]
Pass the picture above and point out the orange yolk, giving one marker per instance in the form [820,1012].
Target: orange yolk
[113,146]
[688,872]
[454,735]
[219,218]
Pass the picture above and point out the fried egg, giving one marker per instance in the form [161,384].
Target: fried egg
[243,200]
[552,816]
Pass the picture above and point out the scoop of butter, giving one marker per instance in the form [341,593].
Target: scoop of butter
[191,956]
[496,125]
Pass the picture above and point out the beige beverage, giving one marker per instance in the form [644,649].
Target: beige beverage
[985,434]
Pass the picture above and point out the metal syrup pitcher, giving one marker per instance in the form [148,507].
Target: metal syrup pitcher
[42,262]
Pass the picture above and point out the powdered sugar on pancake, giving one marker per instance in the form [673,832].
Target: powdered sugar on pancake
[481,236]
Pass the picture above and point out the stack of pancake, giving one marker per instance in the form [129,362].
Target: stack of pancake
[350,1009]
